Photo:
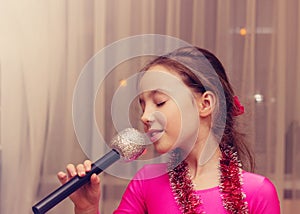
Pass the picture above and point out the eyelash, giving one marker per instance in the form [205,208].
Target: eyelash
[160,103]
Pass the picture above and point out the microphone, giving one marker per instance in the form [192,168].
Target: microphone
[128,144]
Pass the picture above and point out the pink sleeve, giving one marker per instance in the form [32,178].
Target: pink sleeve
[265,200]
[133,198]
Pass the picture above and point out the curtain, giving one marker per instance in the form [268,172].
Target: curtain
[45,45]
[289,54]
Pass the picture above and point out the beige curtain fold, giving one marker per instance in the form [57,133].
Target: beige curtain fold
[291,112]
[280,95]
[44,45]
[24,103]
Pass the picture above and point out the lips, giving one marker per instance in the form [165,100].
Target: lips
[155,135]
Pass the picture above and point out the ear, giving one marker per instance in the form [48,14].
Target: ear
[206,103]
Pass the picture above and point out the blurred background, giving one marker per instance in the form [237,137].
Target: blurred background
[45,44]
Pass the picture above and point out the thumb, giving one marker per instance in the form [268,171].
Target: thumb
[95,180]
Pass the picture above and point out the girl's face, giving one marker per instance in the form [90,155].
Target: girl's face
[170,113]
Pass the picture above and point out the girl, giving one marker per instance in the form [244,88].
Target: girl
[189,110]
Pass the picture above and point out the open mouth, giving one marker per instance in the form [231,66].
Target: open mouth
[155,135]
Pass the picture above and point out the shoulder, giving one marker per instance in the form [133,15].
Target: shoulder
[151,171]
[145,178]
[254,183]
[261,193]
[144,187]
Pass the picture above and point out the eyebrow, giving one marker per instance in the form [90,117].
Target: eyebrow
[153,93]
[157,91]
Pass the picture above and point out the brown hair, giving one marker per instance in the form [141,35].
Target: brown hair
[202,71]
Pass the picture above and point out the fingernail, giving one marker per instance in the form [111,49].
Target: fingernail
[73,173]
[87,167]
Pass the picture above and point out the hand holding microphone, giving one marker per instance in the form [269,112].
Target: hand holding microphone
[86,197]
[128,144]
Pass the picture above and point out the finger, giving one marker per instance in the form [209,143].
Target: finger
[80,170]
[95,180]
[87,165]
[71,170]
[62,177]
[95,184]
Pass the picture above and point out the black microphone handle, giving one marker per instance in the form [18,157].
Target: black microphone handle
[75,183]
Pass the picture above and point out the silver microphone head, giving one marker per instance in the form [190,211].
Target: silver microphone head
[129,143]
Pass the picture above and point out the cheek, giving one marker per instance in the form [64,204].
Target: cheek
[189,124]
[174,120]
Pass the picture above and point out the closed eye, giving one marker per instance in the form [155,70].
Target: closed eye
[161,103]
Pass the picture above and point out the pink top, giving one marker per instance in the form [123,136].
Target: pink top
[153,196]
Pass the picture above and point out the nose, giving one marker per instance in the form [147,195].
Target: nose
[147,118]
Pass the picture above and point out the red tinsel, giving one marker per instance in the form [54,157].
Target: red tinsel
[230,184]
[182,186]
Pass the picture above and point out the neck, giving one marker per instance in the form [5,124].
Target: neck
[211,164]
[203,162]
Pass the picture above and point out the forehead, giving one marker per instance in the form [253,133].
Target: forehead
[159,78]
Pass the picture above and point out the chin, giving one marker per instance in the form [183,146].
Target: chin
[159,149]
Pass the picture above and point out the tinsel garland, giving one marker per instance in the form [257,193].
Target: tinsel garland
[182,185]
[230,184]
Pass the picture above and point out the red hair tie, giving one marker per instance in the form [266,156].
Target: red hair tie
[238,107]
